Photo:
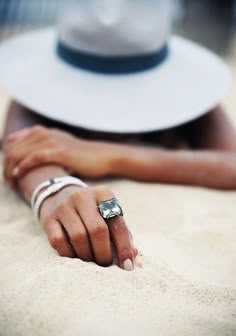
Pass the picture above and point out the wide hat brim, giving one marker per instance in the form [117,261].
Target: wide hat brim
[188,84]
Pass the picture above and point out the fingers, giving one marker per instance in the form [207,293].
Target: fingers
[17,163]
[85,230]
[58,239]
[96,227]
[22,139]
[32,133]
[14,155]
[33,160]
[17,135]
[120,236]
[119,233]
[77,233]
[17,146]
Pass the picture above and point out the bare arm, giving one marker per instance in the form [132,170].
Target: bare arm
[208,168]
[70,218]
[213,131]
[201,168]
[211,162]
[212,165]
[17,119]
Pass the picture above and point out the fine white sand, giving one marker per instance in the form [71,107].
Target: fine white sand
[184,284]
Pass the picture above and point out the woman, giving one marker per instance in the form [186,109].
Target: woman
[120,80]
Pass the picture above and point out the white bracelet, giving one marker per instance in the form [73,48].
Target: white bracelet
[50,182]
[54,188]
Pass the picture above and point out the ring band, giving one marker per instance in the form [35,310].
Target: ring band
[110,208]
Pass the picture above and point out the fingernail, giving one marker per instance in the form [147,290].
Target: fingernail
[16,135]
[13,137]
[128,265]
[15,171]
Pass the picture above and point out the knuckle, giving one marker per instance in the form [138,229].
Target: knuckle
[77,236]
[38,128]
[103,190]
[99,231]
[42,131]
[56,242]
[78,195]
[60,210]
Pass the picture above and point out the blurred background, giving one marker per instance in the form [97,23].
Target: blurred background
[210,22]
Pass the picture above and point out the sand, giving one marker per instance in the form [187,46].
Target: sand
[184,284]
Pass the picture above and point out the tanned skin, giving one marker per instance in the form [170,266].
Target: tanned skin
[200,153]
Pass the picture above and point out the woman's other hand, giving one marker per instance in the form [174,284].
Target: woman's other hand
[75,228]
[32,147]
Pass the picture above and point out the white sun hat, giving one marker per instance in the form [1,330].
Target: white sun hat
[112,66]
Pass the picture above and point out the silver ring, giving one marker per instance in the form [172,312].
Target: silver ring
[110,208]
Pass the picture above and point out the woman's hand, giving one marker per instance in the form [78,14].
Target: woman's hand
[75,228]
[32,147]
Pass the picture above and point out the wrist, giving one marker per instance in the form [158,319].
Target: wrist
[137,162]
[120,159]
[34,177]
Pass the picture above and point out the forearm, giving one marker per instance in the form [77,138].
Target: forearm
[18,118]
[203,168]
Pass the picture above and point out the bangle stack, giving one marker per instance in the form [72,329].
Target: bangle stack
[52,186]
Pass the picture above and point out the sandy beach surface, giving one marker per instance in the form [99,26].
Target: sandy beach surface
[184,282]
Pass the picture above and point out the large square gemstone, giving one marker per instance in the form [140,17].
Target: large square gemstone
[110,208]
